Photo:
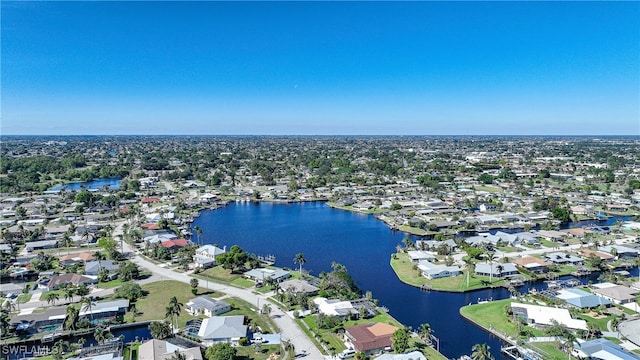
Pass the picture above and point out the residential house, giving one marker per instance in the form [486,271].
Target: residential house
[545,315]
[603,349]
[299,287]
[581,299]
[48,321]
[498,269]
[563,258]
[76,258]
[335,307]
[436,271]
[207,306]
[552,235]
[617,293]
[155,349]
[370,338]
[32,246]
[262,274]
[419,255]
[69,279]
[92,268]
[104,311]
[603,256]
[205,256]
[414,355]
[175,244]
[532,264]
[222,329]
[622,252]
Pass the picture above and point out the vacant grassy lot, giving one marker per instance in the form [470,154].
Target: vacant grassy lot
[153,305]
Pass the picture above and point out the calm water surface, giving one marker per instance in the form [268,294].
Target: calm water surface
[361,243]
[98,184]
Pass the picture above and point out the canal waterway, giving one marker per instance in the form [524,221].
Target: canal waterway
[364,245]
[97,184]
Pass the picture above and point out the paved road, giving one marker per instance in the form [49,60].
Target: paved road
[288,327]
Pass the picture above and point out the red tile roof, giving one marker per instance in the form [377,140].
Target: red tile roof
[149,200]
[367,337]
[175,243]
[151,226]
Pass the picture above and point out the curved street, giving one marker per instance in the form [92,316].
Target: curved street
[288,327]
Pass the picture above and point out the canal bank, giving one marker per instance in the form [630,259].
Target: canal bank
[364,245]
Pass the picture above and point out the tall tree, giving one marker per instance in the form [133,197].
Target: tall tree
[194,285]
[491,257]
[400,340]
[51,297]
[481,352]
[299,259]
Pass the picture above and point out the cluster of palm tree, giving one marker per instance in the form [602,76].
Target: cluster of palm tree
[173,310]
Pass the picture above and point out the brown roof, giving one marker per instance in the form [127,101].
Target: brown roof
[74,279]
[85,256]
[599,254]
[530,260]
[368,337]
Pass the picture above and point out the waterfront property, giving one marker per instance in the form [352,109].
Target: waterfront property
[616,293]
[603,349]
[205,256]
[414,355]
[546,315]
[581,299]
[334,307]
[222,329]
[155,349]
[437,271]
[207,306]
[263,274]
[369,338]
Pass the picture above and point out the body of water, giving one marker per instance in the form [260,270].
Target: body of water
[364,245]
[361,243]
[98,184]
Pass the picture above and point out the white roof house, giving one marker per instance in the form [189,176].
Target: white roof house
[435,271]
[218,329]
[545,315]
[334,307]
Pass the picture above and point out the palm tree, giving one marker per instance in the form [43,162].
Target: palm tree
[198,231]
[299,259]
[174,309]
[481,352]
[468,262]
[425,332]
[72,314]
[500,268]
[69,292]
[51,297]
[491,257]
[99,256]
[87,304]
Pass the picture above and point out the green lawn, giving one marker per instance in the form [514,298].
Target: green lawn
[219,273]
[110,284]
[153,305]
[241,307]
[414,230]
[491,315]
[249,352]
[404,269]
[242,283]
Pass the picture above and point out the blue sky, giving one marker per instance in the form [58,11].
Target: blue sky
[424,68]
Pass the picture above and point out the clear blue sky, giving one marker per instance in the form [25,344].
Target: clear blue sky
[321,68]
